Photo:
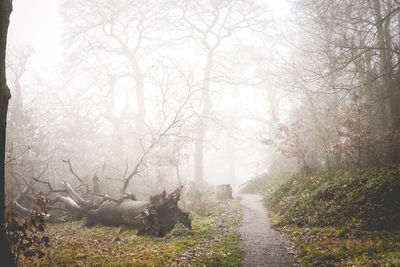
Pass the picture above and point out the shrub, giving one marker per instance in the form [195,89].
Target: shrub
[198,196]
[179,230]
[26,236]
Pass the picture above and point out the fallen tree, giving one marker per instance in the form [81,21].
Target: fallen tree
[156,217]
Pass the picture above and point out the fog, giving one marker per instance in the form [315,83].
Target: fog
[186,119]
[80,101]
[176,91]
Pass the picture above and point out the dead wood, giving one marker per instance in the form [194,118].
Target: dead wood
[155,217]
[162,213]
[116,214]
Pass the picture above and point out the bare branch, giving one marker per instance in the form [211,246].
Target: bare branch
[17,157]
[75,174]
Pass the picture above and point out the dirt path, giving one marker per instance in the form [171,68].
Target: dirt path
[263,245]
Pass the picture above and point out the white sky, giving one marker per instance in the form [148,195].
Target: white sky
[38,23]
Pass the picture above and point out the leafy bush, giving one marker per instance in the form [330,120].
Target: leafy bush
[179,230]
[26,236]
[362,199]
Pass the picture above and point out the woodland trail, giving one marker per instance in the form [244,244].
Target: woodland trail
[263,246]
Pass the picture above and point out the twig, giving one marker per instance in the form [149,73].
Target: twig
[17,157]
[75,174]
[49,185]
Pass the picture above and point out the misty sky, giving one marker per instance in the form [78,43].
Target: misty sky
[39,24]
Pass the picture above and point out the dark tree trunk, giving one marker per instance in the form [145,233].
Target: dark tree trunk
[5,11]
[114,214]
[156,217]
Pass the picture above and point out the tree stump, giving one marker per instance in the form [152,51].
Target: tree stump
[223,192]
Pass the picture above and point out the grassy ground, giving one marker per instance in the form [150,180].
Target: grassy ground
[211,242]
[330,246]
[366,199]
[340,217]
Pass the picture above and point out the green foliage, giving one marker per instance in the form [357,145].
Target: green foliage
[201,224]
[361,199]
[26,236]
[179,230]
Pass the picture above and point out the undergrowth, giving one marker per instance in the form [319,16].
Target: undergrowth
[363,199]
[341,217]
[208,243]
[331,246]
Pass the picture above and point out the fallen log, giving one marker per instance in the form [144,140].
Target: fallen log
[116,214]
[156,217]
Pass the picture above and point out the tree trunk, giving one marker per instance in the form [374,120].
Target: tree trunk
[114,214]
[140,98]
[5,11]
[231,160]
[198,152]
[386,67]
[206,108]
[390,92]
[156,217]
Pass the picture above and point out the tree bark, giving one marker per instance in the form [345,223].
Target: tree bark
[206,109]
[386,68]
[5,11]
[114,214]
[156,217]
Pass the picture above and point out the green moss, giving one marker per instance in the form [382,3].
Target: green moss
[202,224]
[341,217]
[362,199]
[179,230]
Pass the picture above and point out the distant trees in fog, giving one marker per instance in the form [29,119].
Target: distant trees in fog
[346,81]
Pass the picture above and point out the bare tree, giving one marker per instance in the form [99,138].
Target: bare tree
[361,38]
[119,30]
[211,25]
[345,48]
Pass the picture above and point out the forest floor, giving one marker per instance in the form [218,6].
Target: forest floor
[263,246]
[340,217]
[330,246]
[212,241]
